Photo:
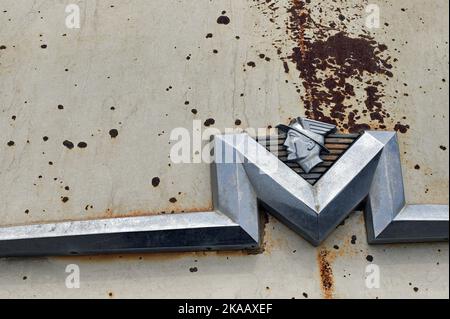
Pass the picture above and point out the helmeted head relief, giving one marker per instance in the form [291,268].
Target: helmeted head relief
[305,141]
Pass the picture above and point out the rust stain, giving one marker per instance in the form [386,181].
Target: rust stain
[325,260]
[343,245]
[347,249]
[343,75]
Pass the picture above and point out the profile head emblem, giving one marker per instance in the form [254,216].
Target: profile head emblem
[305,140]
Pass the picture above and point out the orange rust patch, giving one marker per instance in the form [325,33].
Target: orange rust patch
[325,259]
[347,249]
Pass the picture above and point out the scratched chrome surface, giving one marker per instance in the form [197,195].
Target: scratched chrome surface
[126,57]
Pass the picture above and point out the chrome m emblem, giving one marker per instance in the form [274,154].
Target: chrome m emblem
[315,187]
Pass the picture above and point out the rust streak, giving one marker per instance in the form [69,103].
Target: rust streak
[325,260]
[299,15]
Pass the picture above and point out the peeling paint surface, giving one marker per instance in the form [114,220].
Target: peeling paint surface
[86,117]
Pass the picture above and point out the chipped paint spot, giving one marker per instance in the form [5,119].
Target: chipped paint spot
[114,133]
[223,20]
[156,181]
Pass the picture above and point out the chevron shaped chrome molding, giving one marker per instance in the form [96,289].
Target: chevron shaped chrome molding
[234,224]
[244,175]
